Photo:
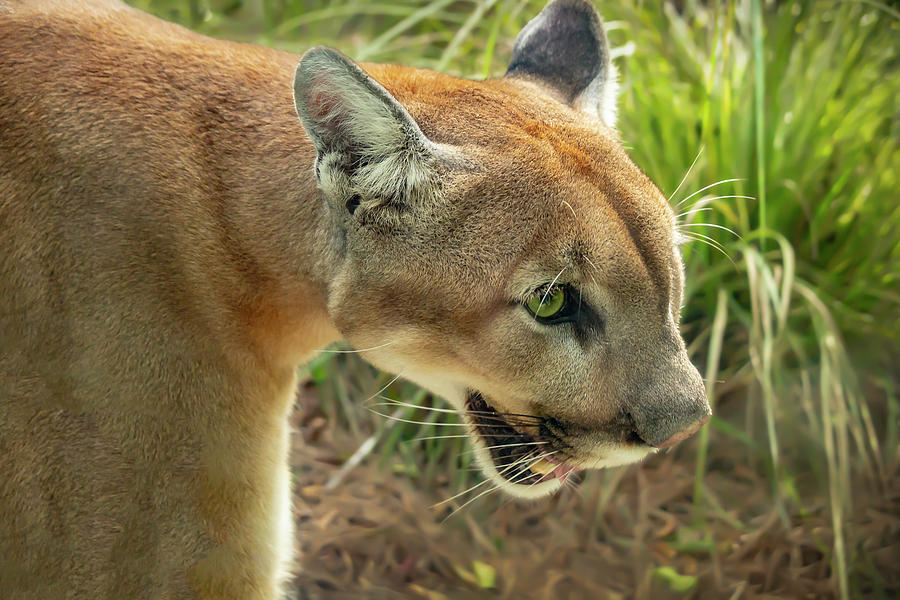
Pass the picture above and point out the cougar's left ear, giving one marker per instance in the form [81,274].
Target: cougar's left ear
[565,48]
[369,149]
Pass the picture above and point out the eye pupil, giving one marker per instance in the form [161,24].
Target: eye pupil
[546,305]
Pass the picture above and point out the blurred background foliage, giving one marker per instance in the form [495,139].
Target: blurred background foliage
[775,127]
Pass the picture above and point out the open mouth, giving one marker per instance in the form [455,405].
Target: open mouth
[523,448]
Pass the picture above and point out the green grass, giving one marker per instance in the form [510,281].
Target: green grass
[795,318]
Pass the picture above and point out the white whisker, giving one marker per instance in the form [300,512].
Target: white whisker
[594,267]
[692,211]
[392,402]
[706,238]
[474,487]
[384,387]
[709,242]
[436,424]
[706,188]
[693,237]
[572,209]
[527,472]
[725,197]
[435,437]
[356,351]
[705,200]
[505,446]
[550,287]
[728,229]
[524,474]
[466,491]
[688,172]
[521,460]
[501,418]
[470,501]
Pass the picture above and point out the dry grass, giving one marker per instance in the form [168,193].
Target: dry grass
[375,535]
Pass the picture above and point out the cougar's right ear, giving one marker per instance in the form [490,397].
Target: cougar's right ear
[370,151]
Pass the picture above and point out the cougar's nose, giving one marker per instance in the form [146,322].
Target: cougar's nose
[685,433]
[669,410]
[663,429]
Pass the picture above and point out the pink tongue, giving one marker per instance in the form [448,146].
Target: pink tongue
[562,472]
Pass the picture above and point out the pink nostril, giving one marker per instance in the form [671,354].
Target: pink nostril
[684,433]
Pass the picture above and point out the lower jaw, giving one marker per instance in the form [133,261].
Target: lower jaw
[531,477]
[532,486]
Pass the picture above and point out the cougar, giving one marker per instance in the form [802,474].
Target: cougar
[184,221]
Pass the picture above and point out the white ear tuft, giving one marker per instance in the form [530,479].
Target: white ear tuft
[599,97]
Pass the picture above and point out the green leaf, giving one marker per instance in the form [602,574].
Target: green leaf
[676,582]
[484,573]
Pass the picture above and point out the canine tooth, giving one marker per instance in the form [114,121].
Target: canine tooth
[543,466]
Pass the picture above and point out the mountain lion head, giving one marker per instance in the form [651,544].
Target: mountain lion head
[494,243]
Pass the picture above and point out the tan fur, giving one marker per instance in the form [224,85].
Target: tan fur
[166,262]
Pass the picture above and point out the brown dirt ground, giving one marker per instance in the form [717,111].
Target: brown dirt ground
[374,536]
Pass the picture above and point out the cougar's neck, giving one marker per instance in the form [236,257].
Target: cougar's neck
[282,244]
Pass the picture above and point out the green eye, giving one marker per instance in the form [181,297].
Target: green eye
[545,305]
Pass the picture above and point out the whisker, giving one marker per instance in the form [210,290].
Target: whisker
[504,446]
[709,242]
[470,501]
[496,423]
[437,424]
[725,197]
[706,200]
[527,472]
[511,419]
[466,491]
[688,172]
[592,265]
[692,211]
[550,287]
[728,229]
[497,487]
[384,387]
[569,483]
[440,424]
[515,418]
[435,437]
[510,415]
[493,421]
[356,351]
[570,208]
[578,314]
[706,188]
[520,436]
[392,402]
[525,459]
[477,485]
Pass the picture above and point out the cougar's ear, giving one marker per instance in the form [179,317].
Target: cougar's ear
[370,151]
[565,48]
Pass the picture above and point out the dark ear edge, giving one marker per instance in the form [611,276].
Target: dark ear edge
[347,83]
[367,144]
[565,49]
